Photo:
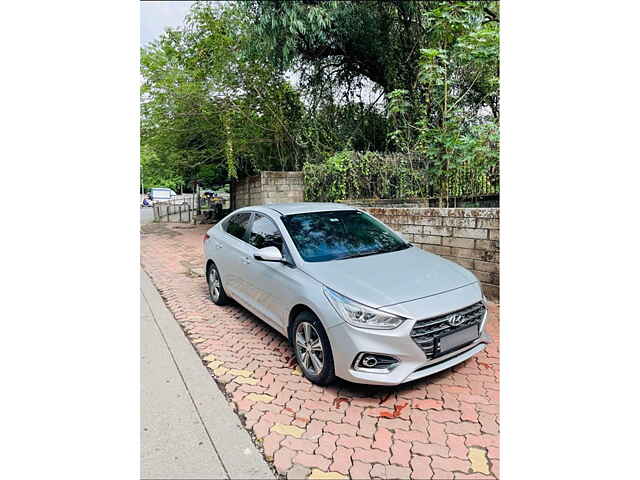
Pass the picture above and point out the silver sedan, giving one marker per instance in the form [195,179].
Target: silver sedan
[354,298]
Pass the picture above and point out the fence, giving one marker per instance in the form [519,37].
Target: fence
[185,208]
[400,176]
[173,213]
[480,201]
[468,182]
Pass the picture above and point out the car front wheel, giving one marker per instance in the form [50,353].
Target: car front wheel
[312,349]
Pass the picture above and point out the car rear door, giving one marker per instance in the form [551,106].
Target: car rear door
[231,253]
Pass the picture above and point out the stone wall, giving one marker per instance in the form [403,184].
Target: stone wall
[268,187]
[467,236]
[247,191]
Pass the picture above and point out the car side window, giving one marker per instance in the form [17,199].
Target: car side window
[265,233]
[237,225]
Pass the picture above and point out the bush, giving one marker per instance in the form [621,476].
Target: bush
[350,174]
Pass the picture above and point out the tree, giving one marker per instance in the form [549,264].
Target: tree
[342,42]
[203,104]
[273,85]
[157,171]
[457,127]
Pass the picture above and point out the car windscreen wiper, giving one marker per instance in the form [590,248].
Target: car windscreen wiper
[402,246]
[360,254]
[375,252]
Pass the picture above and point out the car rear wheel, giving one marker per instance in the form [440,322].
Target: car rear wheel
[216,291]
[312,348]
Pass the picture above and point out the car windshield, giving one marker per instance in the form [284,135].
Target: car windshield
[337,235]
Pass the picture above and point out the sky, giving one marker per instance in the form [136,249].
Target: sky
[155,16]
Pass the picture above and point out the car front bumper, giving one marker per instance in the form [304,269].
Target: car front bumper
[348,342]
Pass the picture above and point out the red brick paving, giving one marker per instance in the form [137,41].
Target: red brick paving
[421,430]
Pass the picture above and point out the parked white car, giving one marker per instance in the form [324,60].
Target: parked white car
[162,194]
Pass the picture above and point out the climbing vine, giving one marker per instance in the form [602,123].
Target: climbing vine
[350,174]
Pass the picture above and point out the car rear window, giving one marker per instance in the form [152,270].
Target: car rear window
[237,225]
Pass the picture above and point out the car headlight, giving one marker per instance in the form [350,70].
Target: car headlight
[360,315]
[485,302]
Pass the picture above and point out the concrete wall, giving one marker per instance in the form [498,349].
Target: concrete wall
[269,187]
[467,236]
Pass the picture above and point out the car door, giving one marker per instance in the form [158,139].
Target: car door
[273,284]
[231,254]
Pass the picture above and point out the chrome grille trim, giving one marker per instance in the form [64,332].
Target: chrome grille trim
[426,332]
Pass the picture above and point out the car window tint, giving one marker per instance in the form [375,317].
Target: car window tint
[265,233]
[237,225]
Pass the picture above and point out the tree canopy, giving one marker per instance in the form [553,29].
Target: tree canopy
[256,85]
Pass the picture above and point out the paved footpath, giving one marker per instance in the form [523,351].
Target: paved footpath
[445,426]
[189,431]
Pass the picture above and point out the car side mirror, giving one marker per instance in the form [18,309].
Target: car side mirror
[268,254]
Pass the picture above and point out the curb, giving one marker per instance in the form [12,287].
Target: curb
[240,458]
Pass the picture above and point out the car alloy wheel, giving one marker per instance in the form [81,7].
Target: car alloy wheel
[309,348]
[215,287]
[214,284]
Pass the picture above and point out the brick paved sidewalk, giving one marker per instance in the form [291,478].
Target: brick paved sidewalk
[444,426]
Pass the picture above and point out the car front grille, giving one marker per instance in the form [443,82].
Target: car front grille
[427,333]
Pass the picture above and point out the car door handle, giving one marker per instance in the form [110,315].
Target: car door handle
[218,245]
[246,260]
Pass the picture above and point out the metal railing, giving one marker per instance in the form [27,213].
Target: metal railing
[173,213]
[184,208]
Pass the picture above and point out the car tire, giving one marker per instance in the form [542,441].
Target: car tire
[216,290]
[307,323]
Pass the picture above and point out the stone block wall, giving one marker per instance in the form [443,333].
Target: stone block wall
[269,187]
[247,191]
[467,236]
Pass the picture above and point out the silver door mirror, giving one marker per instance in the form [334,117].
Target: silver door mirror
[268,254]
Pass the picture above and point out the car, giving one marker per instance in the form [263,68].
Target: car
[354,299]
[161,194]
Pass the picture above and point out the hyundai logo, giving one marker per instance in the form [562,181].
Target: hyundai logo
[455,320]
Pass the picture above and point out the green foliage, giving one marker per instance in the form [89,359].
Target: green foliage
[273,85]
[203,103]
[158,172]
[349,174]
[211,175]
[456,131]
[344,40]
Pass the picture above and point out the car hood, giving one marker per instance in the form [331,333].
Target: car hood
[390,278]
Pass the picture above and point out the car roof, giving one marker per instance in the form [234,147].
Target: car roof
[306,207]
[293,208]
